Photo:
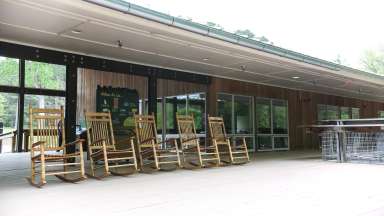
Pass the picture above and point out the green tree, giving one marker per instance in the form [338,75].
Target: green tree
[214,25]
[373,61]
[245,33]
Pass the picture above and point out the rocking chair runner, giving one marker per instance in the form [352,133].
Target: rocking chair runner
[102,149]
[238,154]
[46,129]
[190,143]
[150,148]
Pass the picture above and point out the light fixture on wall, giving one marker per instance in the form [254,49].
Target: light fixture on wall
[295,77]
[205,59]
[119,43]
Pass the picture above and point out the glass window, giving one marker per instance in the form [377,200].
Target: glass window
[280,117]
[381,114]
[333,112]
[264,143]
[263,116]
[321,112]
[280,142]
[196,107]
[173,105]
[44,76]
[243,114]
[9,71]
[8,111]
[355,113]
[41,101]
[345,113]
[224,105]
[8,119]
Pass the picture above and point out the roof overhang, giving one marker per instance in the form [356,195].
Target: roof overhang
[140,36]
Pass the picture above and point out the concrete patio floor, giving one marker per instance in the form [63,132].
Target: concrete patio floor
[287,183]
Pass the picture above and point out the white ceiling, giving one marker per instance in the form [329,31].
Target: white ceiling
[50,24]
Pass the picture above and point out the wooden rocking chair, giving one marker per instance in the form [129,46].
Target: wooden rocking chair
[102,147]
[46,130]
[150,148]
[238,154]
[190,143]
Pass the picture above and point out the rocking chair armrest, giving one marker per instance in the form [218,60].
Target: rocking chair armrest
[78,141]
[39,143]
[147,140]
[97,141]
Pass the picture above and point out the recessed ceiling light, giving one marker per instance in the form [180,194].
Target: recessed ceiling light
[295,77]
[76,31]
[205,59]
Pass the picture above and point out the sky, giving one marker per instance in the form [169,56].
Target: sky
[324,28]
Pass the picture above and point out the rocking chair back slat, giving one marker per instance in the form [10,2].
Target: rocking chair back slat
[217,128]
[99,126]
[145,127]
[187,130]
[46,125]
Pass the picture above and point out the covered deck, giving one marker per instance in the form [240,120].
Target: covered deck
[274,183]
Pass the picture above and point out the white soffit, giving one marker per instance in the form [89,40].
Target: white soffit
[51,24]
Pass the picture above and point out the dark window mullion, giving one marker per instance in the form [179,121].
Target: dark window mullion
[21,105]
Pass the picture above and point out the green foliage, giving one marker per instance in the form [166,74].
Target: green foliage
[245,33]
[37,75]
[373,61]
[9,71]
[43,75]
[214,25]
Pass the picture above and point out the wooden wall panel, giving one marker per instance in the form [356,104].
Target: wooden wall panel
[302,106]
[173,87]
[88,80]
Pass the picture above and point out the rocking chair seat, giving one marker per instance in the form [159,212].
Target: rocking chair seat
[112,154]
[54,157]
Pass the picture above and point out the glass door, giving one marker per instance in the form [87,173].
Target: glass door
[263,125]
[280,125]
[243,123]
[271,124]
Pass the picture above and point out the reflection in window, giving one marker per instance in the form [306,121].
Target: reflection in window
[8,119]
[345,113]
[224,106]
[196,107]
[322,112]
[9,71]
[333,112]
[192,104]
[44,76]
[355,113]
[280,117]
[243,112]
[264,143]
[8,111]
[41,101]
[280,142]
[263,116]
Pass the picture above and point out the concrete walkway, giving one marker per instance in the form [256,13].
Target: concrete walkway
[290,183]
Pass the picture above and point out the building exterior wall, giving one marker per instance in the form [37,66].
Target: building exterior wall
[302,106]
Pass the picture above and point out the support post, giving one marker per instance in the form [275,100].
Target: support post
[70,106]
[20,123]
[152,94]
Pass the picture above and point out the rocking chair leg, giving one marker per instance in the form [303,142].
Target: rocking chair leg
[42,175]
